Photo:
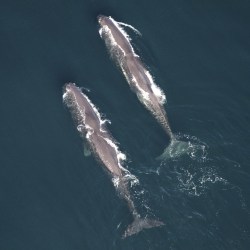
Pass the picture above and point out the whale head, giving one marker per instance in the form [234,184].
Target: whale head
[103,20]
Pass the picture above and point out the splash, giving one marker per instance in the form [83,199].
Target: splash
[138,77]
[156,89]
[142,93]
[120,156]
[119,55]
[195,172]
[196,183]
[87,117]
[131,27]
[185,145]
[78,112]
[190,178]
[124,33]
[106,34]
[70,100]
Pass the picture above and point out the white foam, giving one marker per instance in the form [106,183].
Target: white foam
[112,42]
[156,89]
[100,32]
[102,126]
[90,131]
[101,122]
[131,27]
[80,128]
[128,177]
[86,89]
[71,100]
[144,94]
[81,112]
[67,98]
[120,29]
[119,154]
[131,178]
[116,181]
[126,75]
[121,157]
[196,185]
[106,120]
[65,94]
[124,33]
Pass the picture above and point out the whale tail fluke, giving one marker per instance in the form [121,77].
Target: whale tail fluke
[175,149]
[139,224]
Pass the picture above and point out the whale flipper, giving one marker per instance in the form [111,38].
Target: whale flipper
[139,224]
[86,150]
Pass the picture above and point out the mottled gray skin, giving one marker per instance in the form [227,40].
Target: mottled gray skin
[119,37]
[133,68]
[88,124]
[98,132]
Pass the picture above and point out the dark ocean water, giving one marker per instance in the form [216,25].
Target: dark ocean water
[53,198]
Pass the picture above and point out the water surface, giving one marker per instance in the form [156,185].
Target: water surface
[52,197]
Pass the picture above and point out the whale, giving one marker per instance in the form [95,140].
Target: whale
[138,76]
[92,127]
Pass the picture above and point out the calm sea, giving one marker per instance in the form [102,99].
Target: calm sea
[53,198]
